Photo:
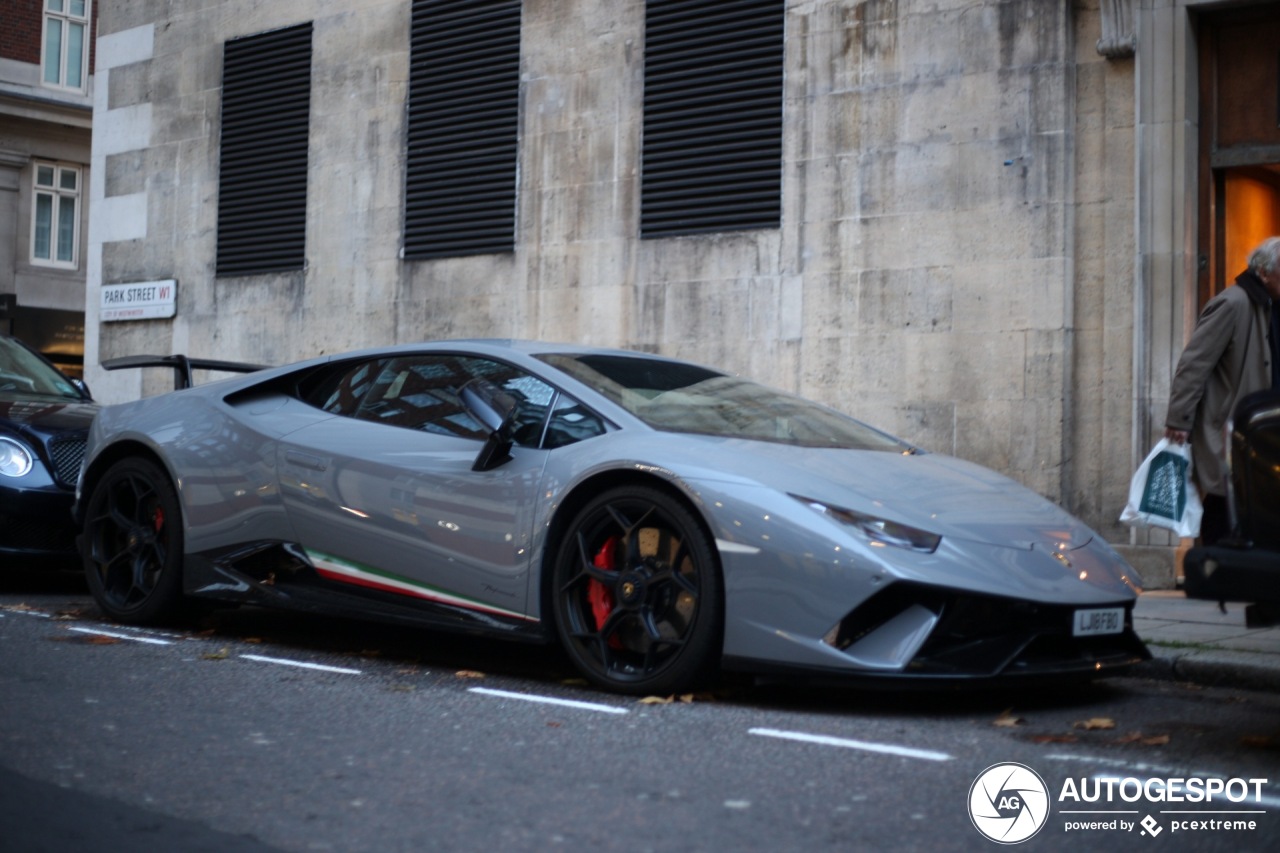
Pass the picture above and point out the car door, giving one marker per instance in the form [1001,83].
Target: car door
[384,497]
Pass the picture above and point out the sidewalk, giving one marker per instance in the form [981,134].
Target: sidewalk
[1195,641]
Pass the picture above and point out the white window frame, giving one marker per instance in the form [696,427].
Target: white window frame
[60,17]
[58,193]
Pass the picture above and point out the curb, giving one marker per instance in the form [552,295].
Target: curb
[1213,668]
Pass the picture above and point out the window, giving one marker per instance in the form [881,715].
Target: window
[676,397]
[55,220]
[66,45]
[421,392]
[712,158]
[262,178]
[463,128]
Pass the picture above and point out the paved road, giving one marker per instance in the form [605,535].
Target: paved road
[259,731]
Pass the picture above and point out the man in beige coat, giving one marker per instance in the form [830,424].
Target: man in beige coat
[1233,352]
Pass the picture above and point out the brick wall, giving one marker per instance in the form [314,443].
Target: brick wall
[20,30]
[21,23]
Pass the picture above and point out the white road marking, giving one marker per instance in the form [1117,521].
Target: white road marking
[98,632]
[824,740]
[303,665]
[548,700]
[35,613]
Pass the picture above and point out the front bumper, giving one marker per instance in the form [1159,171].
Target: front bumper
[911,632]
[37,523]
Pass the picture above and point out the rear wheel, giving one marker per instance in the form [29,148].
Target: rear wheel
[637,593]
[133,543]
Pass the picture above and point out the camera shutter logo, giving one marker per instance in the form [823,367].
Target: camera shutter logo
[1009,803]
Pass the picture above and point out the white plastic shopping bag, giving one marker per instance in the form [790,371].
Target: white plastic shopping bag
[1161,493]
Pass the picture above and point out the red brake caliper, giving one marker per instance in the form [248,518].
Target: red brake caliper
[598,595]
[157,518]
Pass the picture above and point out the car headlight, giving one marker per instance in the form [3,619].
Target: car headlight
[15,460]
[879,531]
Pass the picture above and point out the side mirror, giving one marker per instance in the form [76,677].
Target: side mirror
[496,410]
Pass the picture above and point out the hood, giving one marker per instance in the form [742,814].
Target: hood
[46,414]
[941,494]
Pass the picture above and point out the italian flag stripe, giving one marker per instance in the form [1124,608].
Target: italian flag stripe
[346,571]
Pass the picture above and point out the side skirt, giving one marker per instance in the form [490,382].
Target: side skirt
[281,574]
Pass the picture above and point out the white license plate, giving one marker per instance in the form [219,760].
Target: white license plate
[1092,623]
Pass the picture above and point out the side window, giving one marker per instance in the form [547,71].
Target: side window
[420,392]
[341,392]
[571,422]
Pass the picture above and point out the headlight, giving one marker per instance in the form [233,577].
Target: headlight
[879,531]
[15,460]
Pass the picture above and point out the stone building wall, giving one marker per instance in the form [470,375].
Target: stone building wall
[955,260]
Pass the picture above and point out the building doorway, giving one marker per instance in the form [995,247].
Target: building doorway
[1239,52]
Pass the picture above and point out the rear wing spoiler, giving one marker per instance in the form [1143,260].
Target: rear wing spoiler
[181,365]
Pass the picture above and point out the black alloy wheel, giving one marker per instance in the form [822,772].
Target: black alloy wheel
[133,544]
[637,594]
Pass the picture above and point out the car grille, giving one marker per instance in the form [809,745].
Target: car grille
[24,534]
[982,635]
[67,452]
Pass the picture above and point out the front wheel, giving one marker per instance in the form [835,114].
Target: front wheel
[637,594]
[133,544]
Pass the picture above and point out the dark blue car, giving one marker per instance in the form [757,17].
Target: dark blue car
[44,419]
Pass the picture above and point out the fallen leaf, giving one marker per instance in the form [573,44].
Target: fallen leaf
[370,653]
[402,688]
[1008,719]
[1156,740]
[657,700]
[254,640]
[99,640]
[469,673]
[1260,742]
[220,654]
[574,682]
[1094,723]
[552,724]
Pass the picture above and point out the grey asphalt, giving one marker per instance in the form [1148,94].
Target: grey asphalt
[1196,641]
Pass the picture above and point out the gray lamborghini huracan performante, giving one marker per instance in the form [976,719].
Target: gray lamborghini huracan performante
[658,519]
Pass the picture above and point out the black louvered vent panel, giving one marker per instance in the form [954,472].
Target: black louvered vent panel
[67,452]
[464,104]
[262,184]
[712,116]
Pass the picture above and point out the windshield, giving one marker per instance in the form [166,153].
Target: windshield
[678,397]
[24,372]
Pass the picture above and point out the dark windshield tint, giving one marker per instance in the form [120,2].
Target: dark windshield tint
[24,372]
[678,397]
